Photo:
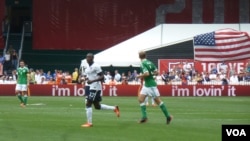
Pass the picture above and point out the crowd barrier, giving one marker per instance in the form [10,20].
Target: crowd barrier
[132,90]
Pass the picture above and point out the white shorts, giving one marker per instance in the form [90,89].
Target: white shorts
[21,87]
[150,91]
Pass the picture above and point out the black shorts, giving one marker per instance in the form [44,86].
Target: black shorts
[94,96]
[86,88]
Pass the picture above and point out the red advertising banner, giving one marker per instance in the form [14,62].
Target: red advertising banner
[131,90]
[168,64]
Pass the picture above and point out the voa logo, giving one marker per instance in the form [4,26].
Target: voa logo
[236,132]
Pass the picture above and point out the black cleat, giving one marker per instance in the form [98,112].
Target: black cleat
[143,120]
[169,119]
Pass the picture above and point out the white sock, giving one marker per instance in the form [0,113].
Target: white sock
[146,100]
[89,114]
[107,107]
[153,101]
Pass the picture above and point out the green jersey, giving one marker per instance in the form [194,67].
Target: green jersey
[148,66]
[22,75]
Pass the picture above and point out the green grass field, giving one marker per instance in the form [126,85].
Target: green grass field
[59,119]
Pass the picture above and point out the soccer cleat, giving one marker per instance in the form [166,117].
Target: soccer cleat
[143,120]
[117,111]
[169,119]
[22,105]
[87,125]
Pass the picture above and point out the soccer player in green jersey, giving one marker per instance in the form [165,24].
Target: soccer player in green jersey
[149,88]
[22,83]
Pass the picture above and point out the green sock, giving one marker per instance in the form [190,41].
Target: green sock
[143,110]
[25,98]
[19,96]
[164,109]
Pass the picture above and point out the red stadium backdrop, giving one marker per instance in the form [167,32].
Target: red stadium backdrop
[2,17]
[98,25]
[131,90]
[168,64]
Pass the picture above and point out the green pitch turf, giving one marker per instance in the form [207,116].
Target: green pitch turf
[59,119]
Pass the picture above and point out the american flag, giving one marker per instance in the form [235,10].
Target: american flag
[222,45]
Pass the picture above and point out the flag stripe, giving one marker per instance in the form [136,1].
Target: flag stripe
[222,48]
[230,41]
[223,54]
[235,51]
[223,58]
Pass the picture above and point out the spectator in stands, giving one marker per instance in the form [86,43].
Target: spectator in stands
[213,73]
[223,75]
[48,76]
[241,77]
[198,78]
[63,80]
[177,76]
[14,59]
[218,78]
[32,76]
[193,72]
[232,70]
[206,78]
[7,62]
[51,81]
[107,77]
[117,76]
[75,76]
[123,77]
[54,74]
[129,76]
[165,77]
[247,77]
[59,77]
[43,80]
[234,79]
[223,67]
[37,77]
[134,75]
[42,72]
[184,79]
[68,77]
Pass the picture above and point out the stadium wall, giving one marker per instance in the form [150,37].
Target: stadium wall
[98,25]
[131,90]
[2,22]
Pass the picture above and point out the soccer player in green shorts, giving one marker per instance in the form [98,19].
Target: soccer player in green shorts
[22,83]
[148,70]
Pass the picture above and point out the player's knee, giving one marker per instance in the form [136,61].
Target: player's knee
[141,99]
[157,100]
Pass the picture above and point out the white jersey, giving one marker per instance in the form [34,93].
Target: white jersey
[92,73]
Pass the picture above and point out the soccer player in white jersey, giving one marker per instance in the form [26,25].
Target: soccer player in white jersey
[94,78]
